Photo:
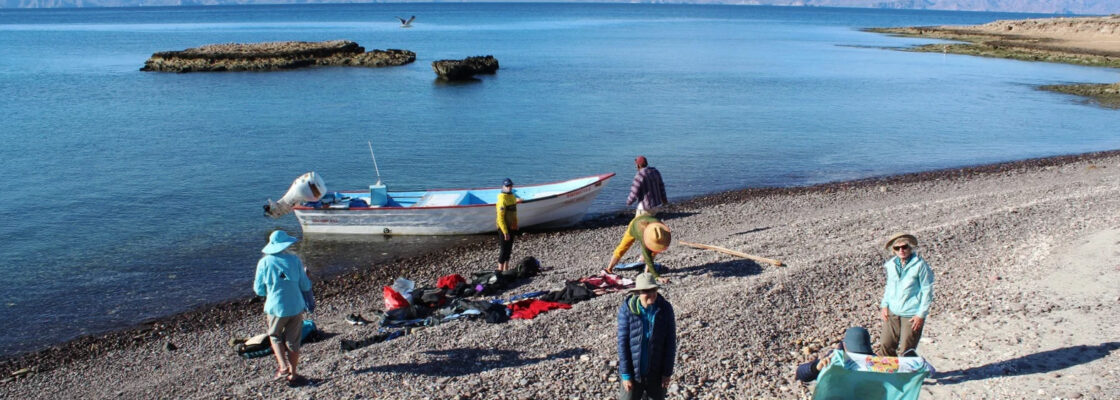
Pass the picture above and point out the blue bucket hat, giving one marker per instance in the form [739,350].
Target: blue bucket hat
[277,242]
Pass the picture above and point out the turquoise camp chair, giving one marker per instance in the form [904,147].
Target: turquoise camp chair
[861,376]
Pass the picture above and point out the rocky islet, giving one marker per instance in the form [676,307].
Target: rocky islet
[272,56]
[275,56]
[465,69]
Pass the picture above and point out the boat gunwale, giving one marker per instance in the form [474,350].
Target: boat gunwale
[601,178]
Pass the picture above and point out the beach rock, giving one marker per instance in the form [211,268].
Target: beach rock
[272,56]
[170,346]
[467,68]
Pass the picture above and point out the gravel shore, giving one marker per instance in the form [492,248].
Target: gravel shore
[1025,302]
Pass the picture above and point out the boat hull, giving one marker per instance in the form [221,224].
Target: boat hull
[554,211]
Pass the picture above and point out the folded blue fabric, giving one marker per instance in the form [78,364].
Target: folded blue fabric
[522,296]
[639,264]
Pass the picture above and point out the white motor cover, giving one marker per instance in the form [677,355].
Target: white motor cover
[308,187]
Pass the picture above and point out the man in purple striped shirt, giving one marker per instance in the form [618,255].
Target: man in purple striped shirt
[648,189]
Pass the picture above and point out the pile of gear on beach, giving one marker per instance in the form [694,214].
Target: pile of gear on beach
[408,307]
[453,297]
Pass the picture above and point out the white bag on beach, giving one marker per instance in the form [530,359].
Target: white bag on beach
[404,287]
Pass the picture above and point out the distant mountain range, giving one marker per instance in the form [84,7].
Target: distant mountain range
[1098,7]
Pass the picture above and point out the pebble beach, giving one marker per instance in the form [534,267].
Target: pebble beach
[1025,302]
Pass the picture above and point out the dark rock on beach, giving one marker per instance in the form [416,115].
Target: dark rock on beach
[467,68]
[273,56]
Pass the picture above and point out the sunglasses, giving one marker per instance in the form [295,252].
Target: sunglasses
[901,247]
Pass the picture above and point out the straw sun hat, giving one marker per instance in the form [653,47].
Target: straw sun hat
[656,237]
[913,241]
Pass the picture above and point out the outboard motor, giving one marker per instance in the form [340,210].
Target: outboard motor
[308,187]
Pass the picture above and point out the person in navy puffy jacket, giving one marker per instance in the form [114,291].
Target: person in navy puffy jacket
[647,341]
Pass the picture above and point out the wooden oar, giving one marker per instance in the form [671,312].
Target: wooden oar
[776,263]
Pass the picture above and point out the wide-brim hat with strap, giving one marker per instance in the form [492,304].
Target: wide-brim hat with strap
[644,281]
[656,237]
[277,242]
[902,236]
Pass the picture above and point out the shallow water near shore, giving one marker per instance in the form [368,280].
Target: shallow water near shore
[132,195]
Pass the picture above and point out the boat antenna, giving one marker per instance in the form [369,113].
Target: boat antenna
[378,170]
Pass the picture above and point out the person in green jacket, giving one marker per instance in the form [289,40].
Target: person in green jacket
[507,223]
[652,236]
[906,297]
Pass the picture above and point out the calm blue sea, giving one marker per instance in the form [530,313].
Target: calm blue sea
[129,195]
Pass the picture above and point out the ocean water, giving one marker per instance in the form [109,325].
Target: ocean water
[129,195]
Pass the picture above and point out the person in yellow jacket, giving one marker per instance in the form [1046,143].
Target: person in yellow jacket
[652,236]
[507,222]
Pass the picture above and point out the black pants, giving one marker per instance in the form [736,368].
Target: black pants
[506,246]
[644,390]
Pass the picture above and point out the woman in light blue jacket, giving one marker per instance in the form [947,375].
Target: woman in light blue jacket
[906,298]
[283,281]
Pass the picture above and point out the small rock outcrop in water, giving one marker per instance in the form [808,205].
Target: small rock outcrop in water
[1105,94]
[274,56]
[457,70]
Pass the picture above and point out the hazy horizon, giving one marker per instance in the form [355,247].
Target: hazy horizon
[1058,7]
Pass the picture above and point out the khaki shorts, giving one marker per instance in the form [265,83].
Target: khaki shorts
[286,330]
